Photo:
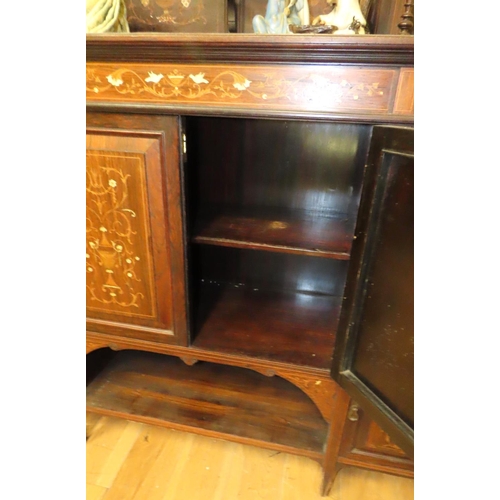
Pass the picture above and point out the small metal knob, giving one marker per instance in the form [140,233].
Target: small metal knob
[353,413]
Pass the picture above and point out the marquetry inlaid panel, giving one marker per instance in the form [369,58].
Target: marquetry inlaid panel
[372,438]
[185,16]
[365,444]
[118,254]
[301,88]
[134,248]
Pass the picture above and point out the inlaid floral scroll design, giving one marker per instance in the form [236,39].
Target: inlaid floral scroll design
[117,279]
[228,84]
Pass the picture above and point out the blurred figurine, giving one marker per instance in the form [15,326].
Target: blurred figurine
[105,16]
[346,15]
[280,14]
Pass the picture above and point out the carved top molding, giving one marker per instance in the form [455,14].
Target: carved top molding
[374,50]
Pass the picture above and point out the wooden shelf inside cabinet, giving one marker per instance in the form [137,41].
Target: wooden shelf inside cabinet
[220,401]
[277,230]
[286,326]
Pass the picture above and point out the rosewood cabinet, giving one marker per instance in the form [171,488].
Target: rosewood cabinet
[249,225]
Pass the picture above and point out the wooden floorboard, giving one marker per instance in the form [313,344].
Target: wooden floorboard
[131,461]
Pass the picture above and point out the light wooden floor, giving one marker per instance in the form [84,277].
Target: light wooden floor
[127,460]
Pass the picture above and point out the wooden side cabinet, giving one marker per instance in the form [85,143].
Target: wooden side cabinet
[249,213]
[135,252]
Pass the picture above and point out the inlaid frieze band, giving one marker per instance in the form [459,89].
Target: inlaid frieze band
[313,88]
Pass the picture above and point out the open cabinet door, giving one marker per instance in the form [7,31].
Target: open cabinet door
[373,358]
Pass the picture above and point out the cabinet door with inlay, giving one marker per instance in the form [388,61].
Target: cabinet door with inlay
[134,231]
[365,444]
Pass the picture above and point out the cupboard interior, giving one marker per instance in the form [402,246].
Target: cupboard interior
[271,209]
[270,212]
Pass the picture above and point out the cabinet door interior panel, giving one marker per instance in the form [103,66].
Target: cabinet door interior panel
[134,254]
[389,369]
[374,351]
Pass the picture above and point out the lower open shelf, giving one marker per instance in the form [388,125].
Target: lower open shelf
[215,400]
[287,326]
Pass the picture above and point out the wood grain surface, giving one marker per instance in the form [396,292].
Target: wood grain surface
[404,103]
[214,400]
[291,327]
[135,255]
[370,50]
[127,460]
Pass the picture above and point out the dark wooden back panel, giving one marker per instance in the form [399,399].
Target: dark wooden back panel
[307,166]
[271,271]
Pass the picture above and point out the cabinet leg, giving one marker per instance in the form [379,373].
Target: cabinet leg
[331,467]
[329,478]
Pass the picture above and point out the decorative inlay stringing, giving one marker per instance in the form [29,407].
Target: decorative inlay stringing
[119,274]
[313,88]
